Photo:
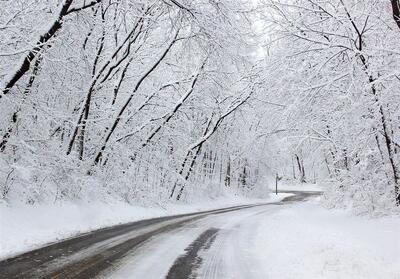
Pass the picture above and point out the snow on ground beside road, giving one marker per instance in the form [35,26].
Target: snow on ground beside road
[307,241]
[25,227]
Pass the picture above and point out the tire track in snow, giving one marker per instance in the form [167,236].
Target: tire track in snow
[185,266]
[226,258]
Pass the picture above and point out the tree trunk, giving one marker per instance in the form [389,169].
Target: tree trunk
[301,169]
[95,80]
[396,11]
[14,118]
[228,173]
[110,130]
[371,79]
[183,165]
[40,44]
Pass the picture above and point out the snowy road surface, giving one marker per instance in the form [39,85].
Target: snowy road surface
[278,240]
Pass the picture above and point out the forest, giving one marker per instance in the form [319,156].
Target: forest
[156,101]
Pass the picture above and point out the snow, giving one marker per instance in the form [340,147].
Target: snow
[146,263]
[290,186]
[307,241]
[301,240]
[293,240]
[25,227]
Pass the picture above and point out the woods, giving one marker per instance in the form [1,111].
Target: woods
[152,101]
[115,94]
[343,83]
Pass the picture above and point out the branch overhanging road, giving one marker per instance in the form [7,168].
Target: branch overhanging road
[99,252]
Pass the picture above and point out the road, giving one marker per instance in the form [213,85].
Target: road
[182,246]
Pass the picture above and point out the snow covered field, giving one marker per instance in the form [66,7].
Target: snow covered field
[26,227]
[300,240]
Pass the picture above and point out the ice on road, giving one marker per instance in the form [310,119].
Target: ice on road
[298,240]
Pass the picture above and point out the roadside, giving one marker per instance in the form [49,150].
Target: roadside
[305,240]
[26,227]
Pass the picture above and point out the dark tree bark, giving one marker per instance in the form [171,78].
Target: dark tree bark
[396,11]
[396,171]
[208,133]
[84,112]
[15,116]
[110,130]
[26,63]
[169,116]
[185,161]
[228,173]
[384,121]
[43,42]
[191,167]
[89,99]
[391,155]
[301,169]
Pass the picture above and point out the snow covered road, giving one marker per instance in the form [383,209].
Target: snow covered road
[215,246]
[87,255]
[286,240]
[294,238]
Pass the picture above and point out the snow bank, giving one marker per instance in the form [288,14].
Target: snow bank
[307,241]
[25,227]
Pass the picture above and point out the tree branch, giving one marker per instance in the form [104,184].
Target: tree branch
[83,7]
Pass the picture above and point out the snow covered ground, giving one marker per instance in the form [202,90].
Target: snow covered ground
[300,240]
[293,240]
[307,241]
[26,227]
[290,186]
